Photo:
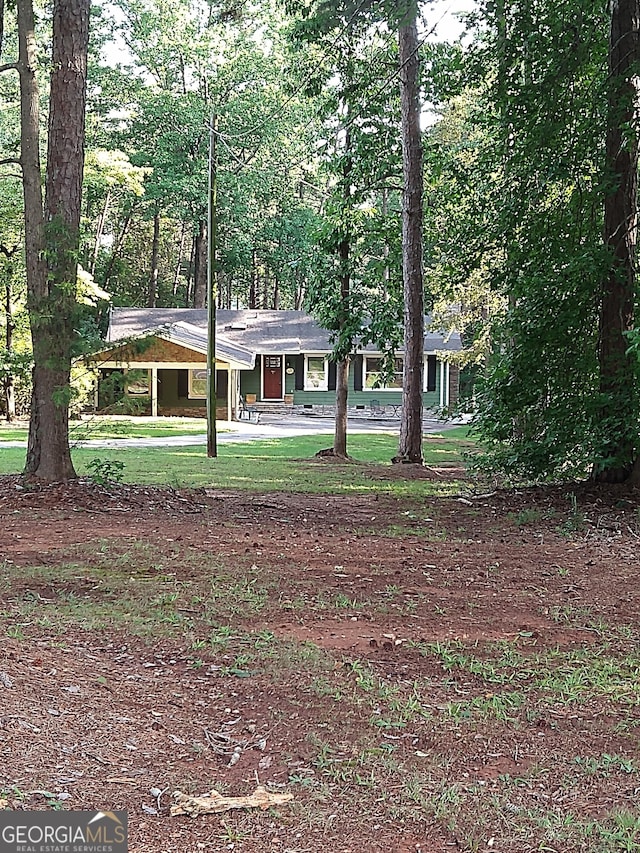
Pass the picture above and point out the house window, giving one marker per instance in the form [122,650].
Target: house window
[315,373]
[375,379]
[137,383]
[198,384]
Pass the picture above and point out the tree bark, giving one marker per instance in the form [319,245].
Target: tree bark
[618,385]
[253,284]
[116,249]
[410,444]
[152,294]
[178,267]
[2,5]
[99,231]
[200,267]
[341,422]
[344,253]
[9,386]
[52,292]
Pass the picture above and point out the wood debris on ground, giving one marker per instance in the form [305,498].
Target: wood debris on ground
[214,803]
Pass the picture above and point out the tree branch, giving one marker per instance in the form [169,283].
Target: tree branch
[9,66]
[8,253]
[14,161]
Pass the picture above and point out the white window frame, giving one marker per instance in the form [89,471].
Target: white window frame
[324,385]
[191,394]
[381,388]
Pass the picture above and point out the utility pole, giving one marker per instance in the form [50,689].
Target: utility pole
[212,442]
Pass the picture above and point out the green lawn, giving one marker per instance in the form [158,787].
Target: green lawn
[271,465]
[106,427]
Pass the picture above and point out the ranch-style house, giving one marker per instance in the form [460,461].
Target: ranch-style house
[155,362]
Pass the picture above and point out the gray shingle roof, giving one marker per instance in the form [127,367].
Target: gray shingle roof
[195,338]
[263,332]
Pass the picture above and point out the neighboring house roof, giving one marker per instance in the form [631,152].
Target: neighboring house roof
[254,331]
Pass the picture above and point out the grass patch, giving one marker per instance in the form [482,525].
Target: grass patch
[114,427]
[284,464]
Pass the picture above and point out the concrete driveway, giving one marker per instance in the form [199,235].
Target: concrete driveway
[270,426]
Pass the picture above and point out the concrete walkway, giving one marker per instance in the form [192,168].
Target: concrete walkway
[270,426]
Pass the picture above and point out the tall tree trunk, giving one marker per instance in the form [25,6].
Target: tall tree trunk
[190,273]
[227,288]
[116,249]
[386,251]
[178,267]
[342,419]
[253,284]
[99,231]
[410,444]
[618,384]
[8,383]
[52,296]
[152,294]
[276,283]
[344,253]
[200,267]
[30,155]
[2,7]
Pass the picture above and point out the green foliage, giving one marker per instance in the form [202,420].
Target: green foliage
[518,181]
[17,366]
[150,125]
[105,472]
[357,294]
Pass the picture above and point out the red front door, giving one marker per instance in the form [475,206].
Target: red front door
[272,377]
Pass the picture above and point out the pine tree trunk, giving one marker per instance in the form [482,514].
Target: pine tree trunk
[253,284]
[52,296]
[410,444]
[618,385]
[99,232]
[152,294]
[116,250]
[9,386]
[200,267]
[344,253]
[178,267]
[30,154]
[340,431]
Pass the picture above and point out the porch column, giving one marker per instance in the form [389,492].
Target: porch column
[229,394]
[154,392]
[447,379]
[442,391]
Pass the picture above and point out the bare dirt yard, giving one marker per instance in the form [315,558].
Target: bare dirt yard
[455,674]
